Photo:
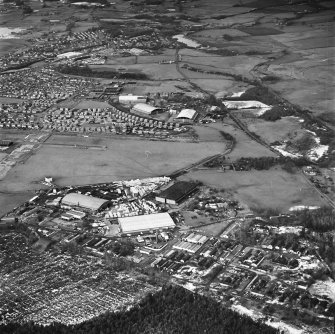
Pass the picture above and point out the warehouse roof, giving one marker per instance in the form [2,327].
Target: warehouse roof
[145,108]
[178,190]
[132,98]
[146,222]
[187,113]
[84,201]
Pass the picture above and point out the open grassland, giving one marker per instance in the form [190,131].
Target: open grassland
[170,86]
[123,159]
[10,200]
[244,146]
[233,64]
[274,188]
[274,131]
[154,71]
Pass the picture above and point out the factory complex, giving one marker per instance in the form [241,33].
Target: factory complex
[146,223]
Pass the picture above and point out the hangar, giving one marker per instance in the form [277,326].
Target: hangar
[84,201]
[187,114]
[146,109]
[145,223]
[176,193]
[132,98]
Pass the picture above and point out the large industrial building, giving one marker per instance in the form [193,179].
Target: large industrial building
[84,201]
[187,114]
[146,109]
[176,193]
[146,223]
[129,99]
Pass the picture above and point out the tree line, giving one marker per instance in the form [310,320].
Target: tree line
[258,163]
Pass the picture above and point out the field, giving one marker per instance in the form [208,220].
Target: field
[244,147]
[154,71]
[275,131]
[195,221]
[274,188]
[123,159]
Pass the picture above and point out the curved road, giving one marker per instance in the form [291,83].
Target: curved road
[242,126]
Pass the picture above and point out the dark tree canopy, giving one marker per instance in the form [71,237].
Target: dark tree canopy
[171,310]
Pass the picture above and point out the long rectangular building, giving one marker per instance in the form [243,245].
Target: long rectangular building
[83,201]
[146,223]
[177,192]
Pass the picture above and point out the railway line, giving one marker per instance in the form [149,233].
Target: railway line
[242,126]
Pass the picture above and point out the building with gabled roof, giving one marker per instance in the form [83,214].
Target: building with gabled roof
[83,201]
[146,109]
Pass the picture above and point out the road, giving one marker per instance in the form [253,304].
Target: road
[244,128]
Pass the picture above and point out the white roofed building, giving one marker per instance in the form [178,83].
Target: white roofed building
[187,114]
[128,99]
[83,201]
[146,223]
[146,109]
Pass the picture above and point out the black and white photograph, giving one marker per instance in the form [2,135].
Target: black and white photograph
[167,167]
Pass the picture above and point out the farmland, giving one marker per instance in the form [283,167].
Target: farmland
[275,189]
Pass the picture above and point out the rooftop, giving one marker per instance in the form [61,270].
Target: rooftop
[178,190]
[146,222]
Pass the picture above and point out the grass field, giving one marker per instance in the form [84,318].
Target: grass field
[274,131]
[123,159]
[274,189]
[193,220]
[154,71]
[10,200]
[245,146]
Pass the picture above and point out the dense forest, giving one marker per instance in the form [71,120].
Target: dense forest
[171,310]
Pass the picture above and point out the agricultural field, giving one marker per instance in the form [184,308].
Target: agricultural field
[273,189]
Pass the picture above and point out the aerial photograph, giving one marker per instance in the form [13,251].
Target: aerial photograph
[167,166]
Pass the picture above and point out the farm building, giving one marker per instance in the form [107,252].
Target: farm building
[83,201]
[146,109]
[132,99]
[177,192]
[187,114]
[145,223]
